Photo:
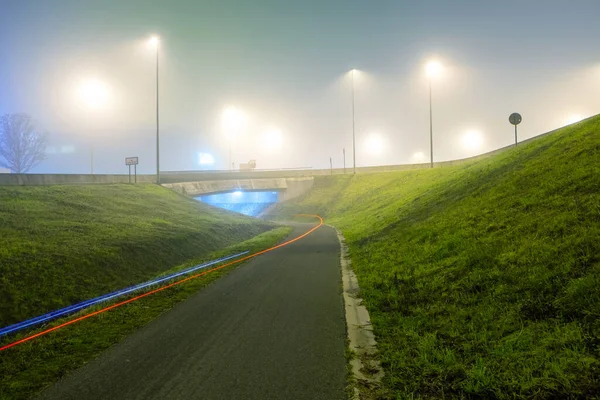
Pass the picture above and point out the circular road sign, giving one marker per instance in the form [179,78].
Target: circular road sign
[515,118]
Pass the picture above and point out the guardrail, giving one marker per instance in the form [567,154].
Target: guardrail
[216,175]
[69,179]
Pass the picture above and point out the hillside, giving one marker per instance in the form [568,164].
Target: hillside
[483,279]
[63,244]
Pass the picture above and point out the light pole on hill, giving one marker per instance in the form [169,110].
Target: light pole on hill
[154,42]
[94,94]
[353,126]
[432,69]
[234,122]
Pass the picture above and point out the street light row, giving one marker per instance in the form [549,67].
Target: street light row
[234,121]
[433,69]
[94,93]
[154,42]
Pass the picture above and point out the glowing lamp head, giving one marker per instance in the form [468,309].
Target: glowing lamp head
[573,119]
[153,42]
[472,140]
[272,138]
[418,156]
[233,120]
[375,143]
[433,69]
[94,93]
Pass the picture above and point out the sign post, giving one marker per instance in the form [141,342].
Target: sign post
[129,161]
[515,119]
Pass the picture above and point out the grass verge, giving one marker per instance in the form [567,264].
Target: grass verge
[483,279]
[62,244]
[28,368]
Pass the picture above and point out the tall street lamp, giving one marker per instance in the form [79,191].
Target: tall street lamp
[353,125]
[94,94]
[234,122]
[432,69]
[154,42]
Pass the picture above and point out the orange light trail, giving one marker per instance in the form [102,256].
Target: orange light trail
[122,303]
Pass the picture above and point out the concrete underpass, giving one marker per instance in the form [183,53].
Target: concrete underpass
[246,196]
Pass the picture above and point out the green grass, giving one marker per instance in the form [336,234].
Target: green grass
[483,279]
[63,244]
[27,368]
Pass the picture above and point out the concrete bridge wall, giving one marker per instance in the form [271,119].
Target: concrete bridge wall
[288,187]
[197,176]
[69,179]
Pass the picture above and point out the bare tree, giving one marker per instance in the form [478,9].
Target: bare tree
[21,147]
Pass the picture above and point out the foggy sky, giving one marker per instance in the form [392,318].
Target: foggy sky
[285,64]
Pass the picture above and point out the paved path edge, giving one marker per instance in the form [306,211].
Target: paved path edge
[366,367]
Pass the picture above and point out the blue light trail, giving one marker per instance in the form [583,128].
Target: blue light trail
[88,303]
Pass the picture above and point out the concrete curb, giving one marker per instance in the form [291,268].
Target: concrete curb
[366,368]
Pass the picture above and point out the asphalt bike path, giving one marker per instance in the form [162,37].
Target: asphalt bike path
[272,329]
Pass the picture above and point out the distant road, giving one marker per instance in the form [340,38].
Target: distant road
[272,329]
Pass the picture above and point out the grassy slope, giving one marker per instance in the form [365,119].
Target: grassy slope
[482,280]
[27,368]
[63,244]
[59,245]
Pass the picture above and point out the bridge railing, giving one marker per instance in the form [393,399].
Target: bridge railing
[215,175]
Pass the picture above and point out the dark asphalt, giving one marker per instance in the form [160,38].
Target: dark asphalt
[272,329]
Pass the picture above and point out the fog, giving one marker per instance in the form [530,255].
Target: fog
[284,67]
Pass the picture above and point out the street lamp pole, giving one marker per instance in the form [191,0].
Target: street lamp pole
[353,125]
[157,129]
[430,127]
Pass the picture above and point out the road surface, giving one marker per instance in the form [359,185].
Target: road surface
[272,329]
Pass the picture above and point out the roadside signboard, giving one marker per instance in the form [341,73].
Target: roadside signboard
[131,161]
[515,119]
